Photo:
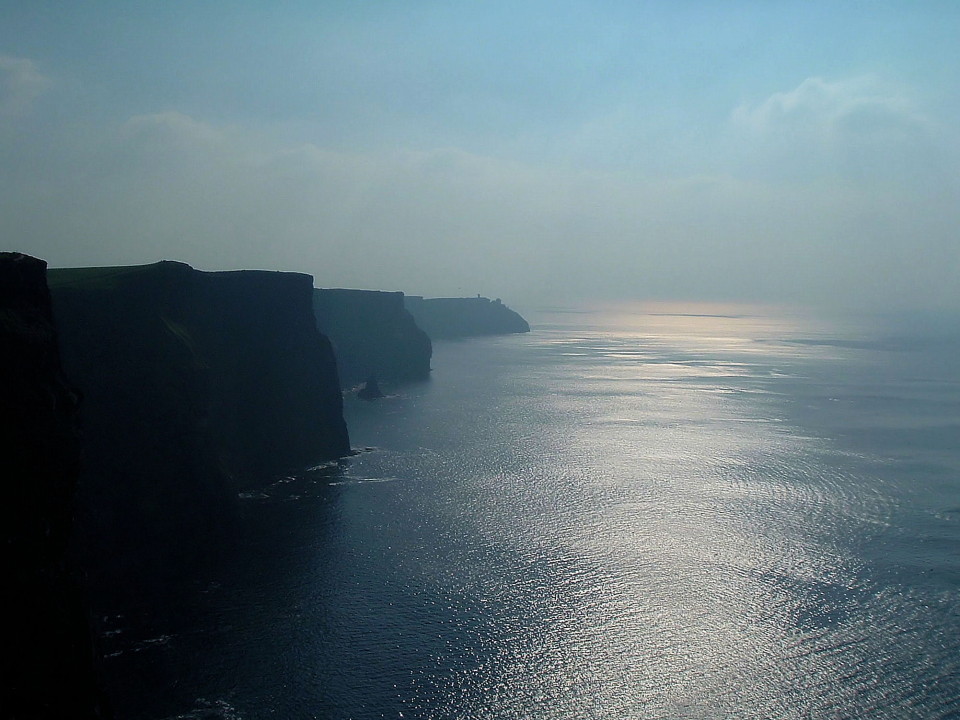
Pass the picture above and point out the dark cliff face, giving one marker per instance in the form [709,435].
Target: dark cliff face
[48,661]
[197,386]
[373,335]
[464,317]
[234,356]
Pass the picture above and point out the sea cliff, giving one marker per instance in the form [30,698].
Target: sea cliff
[49,668]
[444,318]
[197,386]
[372,335]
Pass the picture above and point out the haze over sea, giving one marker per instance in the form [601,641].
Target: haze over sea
[644,511]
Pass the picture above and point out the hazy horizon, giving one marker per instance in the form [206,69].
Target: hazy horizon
[789,152]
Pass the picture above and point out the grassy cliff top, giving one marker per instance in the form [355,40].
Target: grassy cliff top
[104,277]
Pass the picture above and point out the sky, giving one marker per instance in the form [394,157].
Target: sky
[542,152]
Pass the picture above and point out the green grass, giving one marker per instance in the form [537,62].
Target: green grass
[95,277]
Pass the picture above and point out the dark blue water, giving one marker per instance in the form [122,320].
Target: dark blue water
[635,512]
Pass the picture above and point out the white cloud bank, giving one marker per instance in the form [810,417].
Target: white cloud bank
[828,107]
[859,129]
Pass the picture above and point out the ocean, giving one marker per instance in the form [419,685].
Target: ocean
[634,511]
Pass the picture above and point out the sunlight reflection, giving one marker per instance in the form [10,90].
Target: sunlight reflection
[681,549]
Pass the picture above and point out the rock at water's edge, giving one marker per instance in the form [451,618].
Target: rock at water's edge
[370,390]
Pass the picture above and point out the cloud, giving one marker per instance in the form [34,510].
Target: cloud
[859,128]
[170,128]
[20,84]
[824,107]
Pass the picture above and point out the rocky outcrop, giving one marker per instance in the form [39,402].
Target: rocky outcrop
[48,659]
[372,335]
[197,386]
[370,390]
[464,317]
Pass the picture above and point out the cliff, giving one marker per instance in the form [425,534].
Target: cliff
[48,658]
[197,385]
[464,317]
[372,334]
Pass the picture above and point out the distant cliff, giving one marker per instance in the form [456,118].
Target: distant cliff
[48,666]
[197,385]
[372,334]
[464,317]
